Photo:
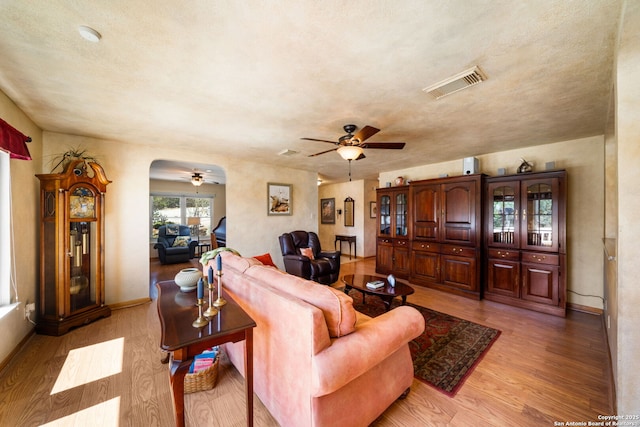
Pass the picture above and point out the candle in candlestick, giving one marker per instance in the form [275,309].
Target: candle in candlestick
[210,275]
[219,262]
[200,288]
[219,285]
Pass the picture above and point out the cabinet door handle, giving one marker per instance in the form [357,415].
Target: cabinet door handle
[539,258]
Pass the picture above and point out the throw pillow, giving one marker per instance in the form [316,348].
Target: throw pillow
[308,252]
[265,259]
[181,241]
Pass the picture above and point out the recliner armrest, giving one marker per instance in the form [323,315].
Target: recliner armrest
[329,254]
[297,265]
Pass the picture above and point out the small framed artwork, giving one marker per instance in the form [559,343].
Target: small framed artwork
[328,211]
[373,210]
[279,201]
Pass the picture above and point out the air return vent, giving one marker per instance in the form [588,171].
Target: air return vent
[458,82]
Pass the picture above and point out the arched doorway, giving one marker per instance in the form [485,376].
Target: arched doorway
[183,193]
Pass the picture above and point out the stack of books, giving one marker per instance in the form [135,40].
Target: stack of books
[376,284]
[203,361]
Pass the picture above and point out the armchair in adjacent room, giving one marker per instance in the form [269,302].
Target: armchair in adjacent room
[304,258]
[175,244]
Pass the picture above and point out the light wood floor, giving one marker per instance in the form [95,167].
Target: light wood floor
[542,369]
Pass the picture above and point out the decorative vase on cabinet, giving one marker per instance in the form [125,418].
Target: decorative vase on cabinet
[71,247]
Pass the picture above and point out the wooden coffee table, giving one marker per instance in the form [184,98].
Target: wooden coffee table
[387,293]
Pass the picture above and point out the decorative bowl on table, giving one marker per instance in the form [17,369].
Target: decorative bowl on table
[187,279]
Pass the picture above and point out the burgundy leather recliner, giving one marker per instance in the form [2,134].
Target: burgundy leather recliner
[323,268]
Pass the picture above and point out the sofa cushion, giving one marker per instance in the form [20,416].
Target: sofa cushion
[237,262]
[336,306]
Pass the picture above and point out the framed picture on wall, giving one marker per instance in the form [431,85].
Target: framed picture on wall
[328,211]
[279,201]
[373,210]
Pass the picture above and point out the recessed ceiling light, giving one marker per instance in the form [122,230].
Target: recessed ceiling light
[89,34]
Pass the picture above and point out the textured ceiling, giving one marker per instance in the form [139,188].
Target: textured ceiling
[256,76]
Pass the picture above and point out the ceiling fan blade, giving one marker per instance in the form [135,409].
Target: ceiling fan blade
[366,133]
[385,145]
[319,140]
[323,152]
[361,156]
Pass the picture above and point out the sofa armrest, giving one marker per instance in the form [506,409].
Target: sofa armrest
[373,341]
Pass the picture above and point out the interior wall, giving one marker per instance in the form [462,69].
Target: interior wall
[609,255]
[628,235]
[217,191]
[25,203]
[249,229]
[584,161]
[365,225]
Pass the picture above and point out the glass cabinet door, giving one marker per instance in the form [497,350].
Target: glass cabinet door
[401,214]
[82,265]
[504,214]
[540,215]
[384,213]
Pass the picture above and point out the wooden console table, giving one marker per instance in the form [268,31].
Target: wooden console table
[350,239]
[177,310]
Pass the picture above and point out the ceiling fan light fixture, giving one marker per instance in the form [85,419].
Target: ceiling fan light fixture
[350,152]
[197,179]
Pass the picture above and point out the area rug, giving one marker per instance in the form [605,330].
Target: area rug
[447,351]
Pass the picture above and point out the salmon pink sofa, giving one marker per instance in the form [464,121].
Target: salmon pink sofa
[317,362]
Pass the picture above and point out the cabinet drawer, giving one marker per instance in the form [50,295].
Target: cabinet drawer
[385,241]
[401,243]
[458,250]
[504,254]
[425,246]
[540,258]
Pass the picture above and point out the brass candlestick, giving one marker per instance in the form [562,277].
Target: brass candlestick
[211,311]
[201,320]
[220,301]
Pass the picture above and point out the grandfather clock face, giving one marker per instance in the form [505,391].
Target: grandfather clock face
[82,203]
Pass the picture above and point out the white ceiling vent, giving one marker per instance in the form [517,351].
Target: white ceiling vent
[460,81]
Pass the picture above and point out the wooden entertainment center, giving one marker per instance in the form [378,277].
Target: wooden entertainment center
[501,238]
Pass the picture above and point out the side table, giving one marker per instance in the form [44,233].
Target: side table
[177,310]
[349,239]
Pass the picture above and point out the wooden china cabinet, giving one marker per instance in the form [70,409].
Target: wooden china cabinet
[446,217]
[526,241]
[392,248]
[71,248]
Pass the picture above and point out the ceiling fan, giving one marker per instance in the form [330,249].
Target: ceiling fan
[350,146]
[198,178]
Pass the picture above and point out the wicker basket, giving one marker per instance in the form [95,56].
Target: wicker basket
[203,380]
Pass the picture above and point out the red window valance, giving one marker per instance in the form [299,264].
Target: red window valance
[14,141]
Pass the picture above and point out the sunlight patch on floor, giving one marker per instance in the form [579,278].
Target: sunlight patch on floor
[91,363]
[105,414]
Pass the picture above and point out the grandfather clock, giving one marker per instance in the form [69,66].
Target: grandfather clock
[71,247]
